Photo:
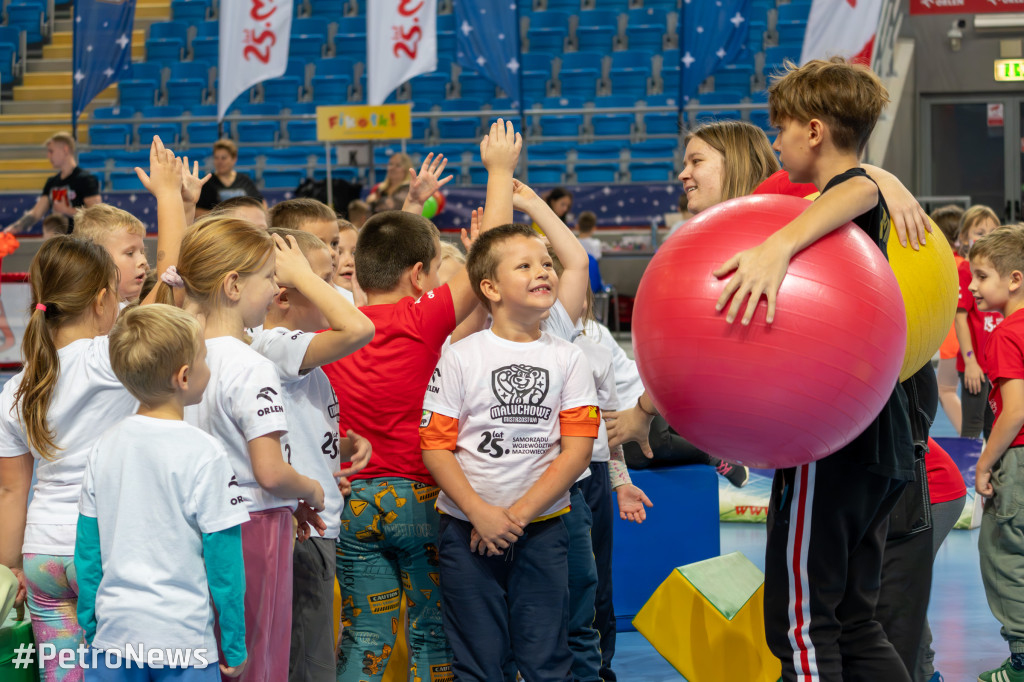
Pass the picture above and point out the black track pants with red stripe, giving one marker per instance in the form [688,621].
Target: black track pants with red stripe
[826,533]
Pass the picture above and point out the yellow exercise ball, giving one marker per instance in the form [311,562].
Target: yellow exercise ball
[930,285]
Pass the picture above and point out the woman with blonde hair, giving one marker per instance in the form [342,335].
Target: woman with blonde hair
[389,194]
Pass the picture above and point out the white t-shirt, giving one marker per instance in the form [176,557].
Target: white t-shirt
[88,399]
[592,245]
[558,323]
[311,444]
[243,401]
[507,397]
[346,293]
[600,359]
[154,487]
[628,384]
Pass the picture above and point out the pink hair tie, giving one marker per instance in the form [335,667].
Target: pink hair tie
[171,278]
[40,306]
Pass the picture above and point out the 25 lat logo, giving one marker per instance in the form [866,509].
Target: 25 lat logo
[407,39]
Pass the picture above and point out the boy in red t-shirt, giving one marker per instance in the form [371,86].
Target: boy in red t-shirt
[973,327]
[997,263]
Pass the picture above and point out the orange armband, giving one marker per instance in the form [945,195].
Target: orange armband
[438,431]
[580,421]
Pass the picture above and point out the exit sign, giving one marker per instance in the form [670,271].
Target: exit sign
[1009,69]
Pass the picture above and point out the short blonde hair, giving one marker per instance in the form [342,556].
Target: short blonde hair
[1003,248]
[449,250]
[307,241]
[295,213]
[64,138]
[99,221]
[227,145]
[148,345]
[972,216]
[847,97]
[346,225]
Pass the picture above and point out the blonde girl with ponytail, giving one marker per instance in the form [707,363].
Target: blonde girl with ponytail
[51,414]
[225,276]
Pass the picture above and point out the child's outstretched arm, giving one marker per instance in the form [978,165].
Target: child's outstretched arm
[496,527]
[499,151]
[1004,431]
[422,185]
[164,183]
[575,278]
[909,219]
[759,271]
[278,477]
[349,330]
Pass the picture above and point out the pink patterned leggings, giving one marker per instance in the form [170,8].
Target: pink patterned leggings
[53,602]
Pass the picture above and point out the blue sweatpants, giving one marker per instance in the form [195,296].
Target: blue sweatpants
[597,490]
[584,638]
[517,601]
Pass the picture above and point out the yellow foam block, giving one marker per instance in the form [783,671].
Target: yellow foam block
[707,620]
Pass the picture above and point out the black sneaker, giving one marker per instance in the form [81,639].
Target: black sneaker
[736,474]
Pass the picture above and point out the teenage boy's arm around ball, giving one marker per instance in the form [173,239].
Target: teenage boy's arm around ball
[1004,431]
[15,482]
[278,477]
[575,278]
[759,271]
[497,527]
[909,219]
[164,182]
[499,151]
[422,185]
[349,329]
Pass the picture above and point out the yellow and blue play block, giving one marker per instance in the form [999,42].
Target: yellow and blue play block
[707,620]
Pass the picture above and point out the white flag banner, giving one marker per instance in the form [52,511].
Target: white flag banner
[841,28]
[254,37]
[402,43]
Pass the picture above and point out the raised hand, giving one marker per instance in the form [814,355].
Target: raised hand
[165,171]
[499,150]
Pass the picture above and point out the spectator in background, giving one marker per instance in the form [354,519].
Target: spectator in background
[67,191]
[560,201]
[226,183]
[54,225]
[586,226]
[389,194]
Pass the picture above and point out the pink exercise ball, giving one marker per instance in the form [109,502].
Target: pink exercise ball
[779,395]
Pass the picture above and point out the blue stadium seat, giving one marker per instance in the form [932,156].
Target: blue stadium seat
[93,160]
[164,111]
[759,117]
[185,91]
[477,86]
[613,124]
[282,89]
[350,40]
[718,97]
[548,31]
[191,12]
[168,132]
[561,124]
[452,127]
[8,59]
[206,48]
[11,35]
[794,11]
[598,151]
[661,122]
[282,179]
[202,132]
[197,69]
[124,181]
[597,172]
[28,16]
[579,74]
[571,6]
[334,66]
[546,175]
[664,5]
[310,26]
[258,131]
[288,156]
[755,35]
[734,77]
[791,22]
[420,128]
[256,109]
[327,10]
[536,74]
[562,102]
[331,89]
[299,108]
[127,160]
[653,149]
[652,172]
[429,87]
[301,130]
[110,134]
[202,110]
[147,71]
[550,151]
[207,29]
[629,73]
[596,30]
[169,29]
[137,92]
[645,28]
[670,70]
[306,46]
[165,50]
[776,55]
[100,113]
[446,38]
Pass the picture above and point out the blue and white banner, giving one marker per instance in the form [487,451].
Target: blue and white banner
[254,41]
[403,44]
[488,41]
[102,48]
[712,35]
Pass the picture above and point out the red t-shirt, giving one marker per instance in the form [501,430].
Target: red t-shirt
[380,387]
[981,324]
[1005,357]
[945,482]
[779,183]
